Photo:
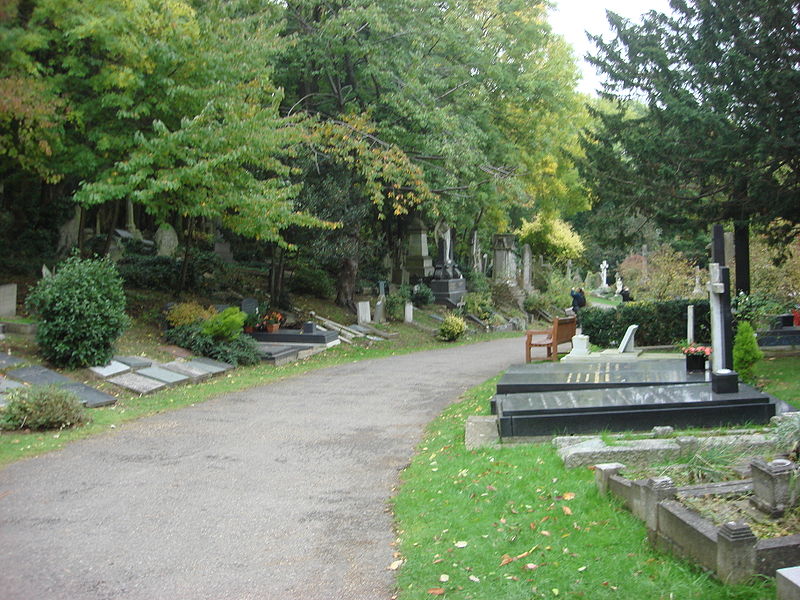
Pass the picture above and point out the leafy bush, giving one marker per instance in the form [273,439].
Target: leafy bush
[746,352]
[478,304]
[41,407]
[81,312]
[754,308]
[150,272]
[422,295]
[313,280]
[226,325]
[185,313]
[395,306]
[452,328]
[477,282]
[241,350]
[660,323]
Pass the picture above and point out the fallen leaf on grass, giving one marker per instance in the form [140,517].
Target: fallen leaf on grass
[569,496]
[505,560]
[567,510]
[395,565]
[436,591]
[531,566]
[545,533]
[444,578]
[475,579]
[461,544]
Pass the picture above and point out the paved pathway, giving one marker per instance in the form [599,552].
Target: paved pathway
[277,492]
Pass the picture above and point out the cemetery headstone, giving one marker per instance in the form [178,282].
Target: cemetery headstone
[698,289]
[8,300]
[408,312]
[166,240]
[690,323]
[309,327]
[249,306]
[617,283]
[223,250]
[380,312]
[364,315]
[505,258]
[381,289]
[526,267]
[448,284]
[628,343]
[418,262]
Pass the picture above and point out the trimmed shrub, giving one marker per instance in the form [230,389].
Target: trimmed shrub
[185,313]
[226,325]
[81,312]
[41,407]
[660,323]
[241,350]
[150,272]
[395,306]
[746,352]
[478,304]
[312,280]
[452,328]
[421,295]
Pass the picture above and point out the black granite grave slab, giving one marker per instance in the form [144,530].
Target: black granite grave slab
[296,336]
[277,354]
[90,397]
[38,376]
[581,378]
[786,336]
[6,360]
[630,408]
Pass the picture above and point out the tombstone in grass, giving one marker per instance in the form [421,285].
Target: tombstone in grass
[381,289]
[526,268]
[617,284]
[723,378]
[8,300]
[505,258]
[364,315]
[418,263]
[166,240]
[380,311]
[690,324]
[408,313]
[448,284]
[249,306]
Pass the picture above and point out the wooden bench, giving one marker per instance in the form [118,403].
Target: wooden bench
[562,331]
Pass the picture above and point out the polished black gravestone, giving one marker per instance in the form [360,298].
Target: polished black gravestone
[586,376]
[547,398]
[629,408]
[296,336]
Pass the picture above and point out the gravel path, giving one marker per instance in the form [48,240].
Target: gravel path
[277,492]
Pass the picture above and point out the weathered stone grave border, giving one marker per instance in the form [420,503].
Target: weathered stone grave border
[732,552]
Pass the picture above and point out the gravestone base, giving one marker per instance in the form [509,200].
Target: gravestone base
[449,292]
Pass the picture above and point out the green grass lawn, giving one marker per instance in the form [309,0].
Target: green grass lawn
[513,523]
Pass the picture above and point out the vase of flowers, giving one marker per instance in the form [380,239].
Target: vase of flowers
[271,321]
[696,357]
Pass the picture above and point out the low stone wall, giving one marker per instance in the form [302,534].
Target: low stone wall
[731,551]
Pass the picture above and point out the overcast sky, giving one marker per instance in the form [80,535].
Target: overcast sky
[572,18]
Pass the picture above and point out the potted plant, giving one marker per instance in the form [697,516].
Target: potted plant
[271,321]
[696,356]
[251,322]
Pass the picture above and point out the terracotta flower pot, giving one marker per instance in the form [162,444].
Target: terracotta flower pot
[272,327]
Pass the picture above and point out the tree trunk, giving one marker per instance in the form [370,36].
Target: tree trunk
[187,244]
[346,283]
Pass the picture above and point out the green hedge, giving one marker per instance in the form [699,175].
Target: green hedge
[660,323]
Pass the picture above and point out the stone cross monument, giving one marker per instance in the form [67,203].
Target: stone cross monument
[723,378]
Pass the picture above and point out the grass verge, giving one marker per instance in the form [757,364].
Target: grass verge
[513,523]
